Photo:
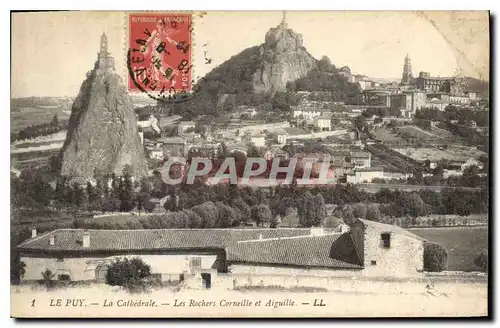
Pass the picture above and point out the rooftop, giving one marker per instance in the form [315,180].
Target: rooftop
[333,251]
[360,154]
[70,240]
[371,169]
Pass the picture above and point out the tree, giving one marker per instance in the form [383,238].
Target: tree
[126,272]
[311,210]
[261,214]
[243,208]
[320,214]
[48,277]
[372,212]
[481,260]
[348,215]
[359,210]
[78,197]
[253,151]
[194,219]
[149,206]
[127,202]
[223,151]
[414,205]
[94,197]
[470,177]
[55,121]
[324,64]
[274,221]
[172,203]
[435,257]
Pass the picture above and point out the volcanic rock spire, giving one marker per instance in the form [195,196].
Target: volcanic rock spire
[102,133]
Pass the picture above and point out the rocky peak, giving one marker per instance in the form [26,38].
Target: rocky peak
[102,129]
[282,39]
[284,59]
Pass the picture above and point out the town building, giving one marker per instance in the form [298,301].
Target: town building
[361,159]
[156,154]
[169,121]
[281,138]
[471,162]
[175,146]
[306,112]
[409,101]
[437,103]
[257,139]
[370,174]
[204,149]
[429,84]
[323,123]
[207,256]
[148,122]
[184,126]
[407,77]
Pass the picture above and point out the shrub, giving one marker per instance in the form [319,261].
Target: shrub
[47,277]
[435,257]
[127,273]
[64,277]
[481,260]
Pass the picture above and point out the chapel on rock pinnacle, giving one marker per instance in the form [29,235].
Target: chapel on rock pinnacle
[104,61]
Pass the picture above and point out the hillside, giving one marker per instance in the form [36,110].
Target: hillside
[481,87]
[256,74]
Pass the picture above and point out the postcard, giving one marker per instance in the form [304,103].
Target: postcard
[217,164]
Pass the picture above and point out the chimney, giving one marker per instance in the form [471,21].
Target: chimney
[86,239]
[33,232]
[52,240]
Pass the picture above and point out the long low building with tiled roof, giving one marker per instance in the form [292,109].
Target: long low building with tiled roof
[367,248]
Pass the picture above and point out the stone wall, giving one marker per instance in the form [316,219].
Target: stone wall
[85,268]
[404,257]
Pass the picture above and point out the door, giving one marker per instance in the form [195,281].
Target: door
[207,280]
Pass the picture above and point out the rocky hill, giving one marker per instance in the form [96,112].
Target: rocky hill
[283,59]
[102,130]
[254,75]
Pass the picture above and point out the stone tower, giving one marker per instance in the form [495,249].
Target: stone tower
[104,59]
[407,75]
[283,20]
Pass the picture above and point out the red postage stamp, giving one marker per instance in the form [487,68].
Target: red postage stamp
[159,58]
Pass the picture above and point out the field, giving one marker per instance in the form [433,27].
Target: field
[462,244]
[416,132]
[434,154]
[24,116]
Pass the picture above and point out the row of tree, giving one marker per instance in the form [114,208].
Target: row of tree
[39,130]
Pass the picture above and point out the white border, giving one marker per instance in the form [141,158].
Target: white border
[204,5]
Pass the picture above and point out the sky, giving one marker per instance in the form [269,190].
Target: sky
[52,52]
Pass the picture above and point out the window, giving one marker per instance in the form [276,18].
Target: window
[195,263]
[374,262]
[386,239]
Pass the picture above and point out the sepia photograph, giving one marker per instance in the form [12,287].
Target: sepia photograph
[257,164]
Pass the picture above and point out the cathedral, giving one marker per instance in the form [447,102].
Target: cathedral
[407,75]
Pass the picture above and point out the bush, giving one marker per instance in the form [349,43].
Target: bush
[481,260]
[64,277]
[127,273]
[435,257]
[47,277]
